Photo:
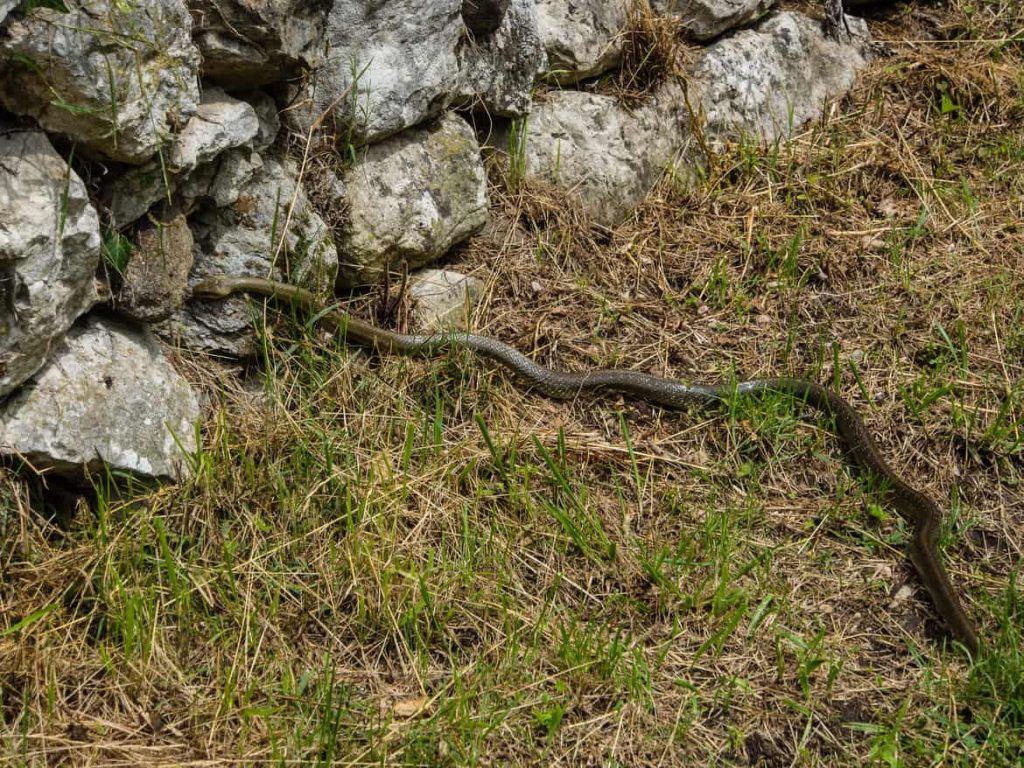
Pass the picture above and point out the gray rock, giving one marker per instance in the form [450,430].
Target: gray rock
[442,300]
[255,42]
[115,77]
[760,83]
[244,239]
[49,251]
[153,284]
[411,198]
[221,122]
[766,82]
[705,19]
[137,190]
[497,72]
[608,156]
[403,55]
[266,113]
[581,36]
[108,397]
[223,180]
[6,6]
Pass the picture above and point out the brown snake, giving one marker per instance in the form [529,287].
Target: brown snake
[920,511]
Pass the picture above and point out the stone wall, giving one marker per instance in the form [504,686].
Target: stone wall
[148,144]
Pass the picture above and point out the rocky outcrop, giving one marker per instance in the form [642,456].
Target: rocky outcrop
[6,6]
[497,72]
[49,251]
[153,284]
[115,77]
[766,82]
[222,181]
[705,19]
[109,398]
[266,115]
[220,123]
[760,83]
[269,231]
[442,300]
[254,42]
[582,37]
[411,198]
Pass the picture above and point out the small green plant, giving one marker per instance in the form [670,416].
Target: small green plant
[117,251]
[517,134]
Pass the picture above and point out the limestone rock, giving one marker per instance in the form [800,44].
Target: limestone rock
[442,299]
[223,179]
[411,198]
[254,42]
[768,81]
[266,114]
[108,397]
[498,71]
[581,36]
[243,240]
[760,83]
[137,190]
[221,122]
[608,156]
[705,19]
[403,56]
[6,6]
[49,251]
[116,77]
[154,282]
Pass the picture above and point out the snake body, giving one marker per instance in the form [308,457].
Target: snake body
[921,512]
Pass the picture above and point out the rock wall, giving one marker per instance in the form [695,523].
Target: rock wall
[147,145]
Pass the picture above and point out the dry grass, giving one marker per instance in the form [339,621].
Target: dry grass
[400,562]
[652,52]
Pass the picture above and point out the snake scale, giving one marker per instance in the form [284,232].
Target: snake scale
[920,511]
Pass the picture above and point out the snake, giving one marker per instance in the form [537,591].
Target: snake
[923,515]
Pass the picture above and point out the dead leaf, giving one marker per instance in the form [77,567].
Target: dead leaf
[409,707]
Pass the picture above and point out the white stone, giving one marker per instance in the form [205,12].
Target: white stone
[49,251]
[221,122]
[411,198]
[582,37]
[403,56]
[6,6]
[223,179]
[442,299]
[109,398]
[705,19]
[497,72]
[760,84]
[608,156]
[766,82]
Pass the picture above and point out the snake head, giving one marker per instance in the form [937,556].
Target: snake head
[218,287]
